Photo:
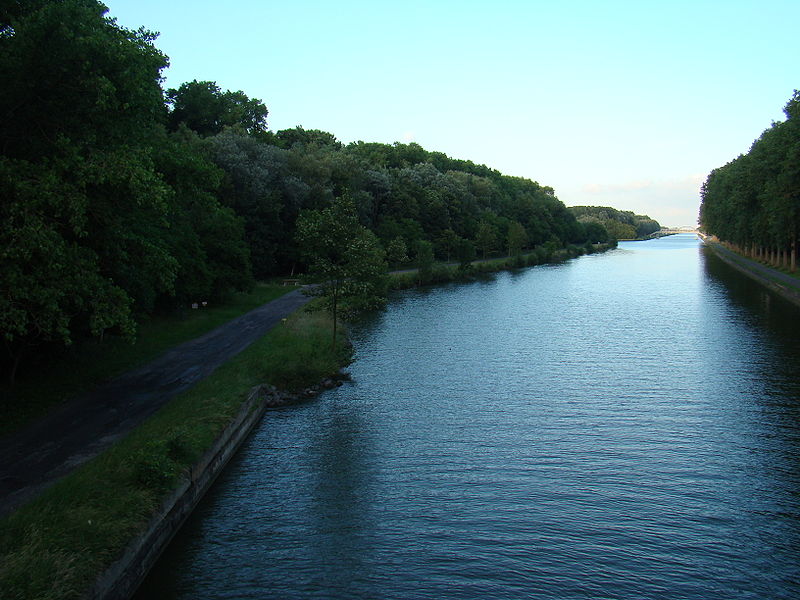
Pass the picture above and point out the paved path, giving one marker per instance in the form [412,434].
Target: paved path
[789,283]
[35,457]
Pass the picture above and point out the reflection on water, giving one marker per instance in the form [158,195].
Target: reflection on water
[623,425]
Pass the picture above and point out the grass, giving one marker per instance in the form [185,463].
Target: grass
[54,547]
[82,366]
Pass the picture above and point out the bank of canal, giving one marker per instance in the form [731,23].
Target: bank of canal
[624,425]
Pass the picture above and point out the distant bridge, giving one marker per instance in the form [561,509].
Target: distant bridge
[687,229]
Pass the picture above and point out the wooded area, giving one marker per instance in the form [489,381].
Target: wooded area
[753,202]
[619,224]
[121,198]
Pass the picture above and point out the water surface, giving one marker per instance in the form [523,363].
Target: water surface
[623,425]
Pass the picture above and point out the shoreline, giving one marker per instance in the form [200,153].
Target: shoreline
[123,575]
[772,279]
[97,532]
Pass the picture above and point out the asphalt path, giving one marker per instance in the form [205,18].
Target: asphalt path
[758,268]
[48,449]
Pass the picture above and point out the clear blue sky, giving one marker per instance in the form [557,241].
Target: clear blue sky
[619,103]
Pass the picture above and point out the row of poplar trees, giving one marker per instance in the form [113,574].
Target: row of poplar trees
[121,198]
[753,202]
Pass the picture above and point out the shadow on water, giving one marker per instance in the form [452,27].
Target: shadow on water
[776,322]
[342,502]
[762,306]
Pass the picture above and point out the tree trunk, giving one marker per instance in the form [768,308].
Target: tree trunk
[335,307]
[12,377]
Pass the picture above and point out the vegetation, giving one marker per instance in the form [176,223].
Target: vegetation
[469,269]
[54,547]
[753,202]
[604,222]
[345,258]
[122,199]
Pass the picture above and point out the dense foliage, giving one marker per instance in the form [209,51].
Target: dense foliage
[120,198]
[753,202]
[620,224]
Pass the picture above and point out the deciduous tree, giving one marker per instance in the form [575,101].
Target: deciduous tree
[344,258]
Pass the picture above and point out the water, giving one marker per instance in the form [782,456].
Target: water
[623,425]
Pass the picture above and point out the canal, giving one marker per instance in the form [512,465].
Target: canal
[623,425]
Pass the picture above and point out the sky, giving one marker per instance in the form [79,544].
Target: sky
[627,104]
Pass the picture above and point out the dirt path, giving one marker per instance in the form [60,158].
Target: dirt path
[35,457]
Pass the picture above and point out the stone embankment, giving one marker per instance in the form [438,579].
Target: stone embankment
[123,577]
[272,397]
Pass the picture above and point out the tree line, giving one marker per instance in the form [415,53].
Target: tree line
[619,224]
[753,202]
[121,198]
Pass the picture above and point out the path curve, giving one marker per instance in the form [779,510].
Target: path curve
[46,450]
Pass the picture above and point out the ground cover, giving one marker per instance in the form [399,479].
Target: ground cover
[55,546]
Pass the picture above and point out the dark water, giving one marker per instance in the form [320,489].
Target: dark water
[624,425]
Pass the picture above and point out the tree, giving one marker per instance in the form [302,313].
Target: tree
[486,238]
[344,258]
[49,281]
[253,188]
[97,85]
[397,251]
[517,239]
[465,252]
[448,242]
[424,261]
[83,228]
[595,232]
[205,108]
[307,137]
[206,238]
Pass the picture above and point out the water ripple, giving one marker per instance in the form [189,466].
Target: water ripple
[622,426]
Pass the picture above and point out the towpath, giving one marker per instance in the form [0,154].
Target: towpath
[781,282]
[48,449]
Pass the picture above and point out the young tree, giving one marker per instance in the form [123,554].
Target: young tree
[345,259]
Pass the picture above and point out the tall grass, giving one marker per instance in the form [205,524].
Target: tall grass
[54,547]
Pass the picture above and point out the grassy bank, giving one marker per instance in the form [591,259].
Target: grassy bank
[82,366]
[443,273]
[55,546]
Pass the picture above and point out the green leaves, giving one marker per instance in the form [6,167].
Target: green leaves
[754,200]
[48,277]
[205,108]
[345,259]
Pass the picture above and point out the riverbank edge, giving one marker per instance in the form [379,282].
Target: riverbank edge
[296,353]
[746,267]
[124,576]
[443,273]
